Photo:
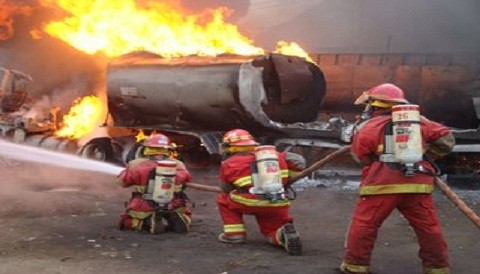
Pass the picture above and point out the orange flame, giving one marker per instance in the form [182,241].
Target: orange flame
[292,49]
[82,118]
[116,27]
[8,9]
[140,136]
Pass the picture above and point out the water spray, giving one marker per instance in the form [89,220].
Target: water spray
[38,155]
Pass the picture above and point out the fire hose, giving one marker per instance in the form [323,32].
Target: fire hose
[309,170]
[204,187]
[457,201]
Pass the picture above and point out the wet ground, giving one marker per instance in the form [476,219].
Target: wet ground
[56,220]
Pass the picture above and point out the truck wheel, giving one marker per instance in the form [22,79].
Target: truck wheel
[136,151]
[99,149]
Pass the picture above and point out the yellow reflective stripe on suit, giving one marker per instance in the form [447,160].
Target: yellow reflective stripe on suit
[243,181]
[235,228]
[396,188]
[443,270]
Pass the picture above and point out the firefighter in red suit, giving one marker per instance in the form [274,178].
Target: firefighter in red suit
[385,187]
[142,212]
[271,211]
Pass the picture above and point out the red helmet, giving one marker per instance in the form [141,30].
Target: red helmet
[239,137]
[385,92]
[157,140]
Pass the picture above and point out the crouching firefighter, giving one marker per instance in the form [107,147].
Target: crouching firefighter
[396,147]
[252,180]
[158,202]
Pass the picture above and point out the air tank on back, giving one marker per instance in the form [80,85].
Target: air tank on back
[204,93]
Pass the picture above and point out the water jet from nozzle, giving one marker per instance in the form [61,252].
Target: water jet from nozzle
[38,155]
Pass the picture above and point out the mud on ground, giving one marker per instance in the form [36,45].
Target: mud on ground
[64,221]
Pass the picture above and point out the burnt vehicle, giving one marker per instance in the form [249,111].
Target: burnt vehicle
[22,121]
[283,100]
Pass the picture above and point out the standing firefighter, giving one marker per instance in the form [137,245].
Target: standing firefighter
[252,180]
[159,181]
[392,145]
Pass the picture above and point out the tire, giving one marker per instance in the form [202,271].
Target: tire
[99,149]
[134,153]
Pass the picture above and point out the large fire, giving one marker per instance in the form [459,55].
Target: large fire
[116,27]
[82,118]
[8,9]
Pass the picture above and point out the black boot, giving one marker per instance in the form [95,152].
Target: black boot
[176,223]
[291,240]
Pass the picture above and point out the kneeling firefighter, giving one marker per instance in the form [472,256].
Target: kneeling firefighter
[159,182]
[252,180]
[396,147]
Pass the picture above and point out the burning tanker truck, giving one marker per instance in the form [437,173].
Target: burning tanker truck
[195,99]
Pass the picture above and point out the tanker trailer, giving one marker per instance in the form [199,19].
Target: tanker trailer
[195,99]
[21,122]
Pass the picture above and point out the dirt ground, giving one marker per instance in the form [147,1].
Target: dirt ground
[64,221]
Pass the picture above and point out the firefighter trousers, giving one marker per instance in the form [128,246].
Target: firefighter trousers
[418,209]
[138,210]
[269,218]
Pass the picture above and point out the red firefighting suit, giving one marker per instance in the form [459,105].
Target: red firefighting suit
[383,189]
[138,209]
[271,216]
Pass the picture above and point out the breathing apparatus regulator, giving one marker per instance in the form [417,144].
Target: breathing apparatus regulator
[403,140]
[161,188]
[267,179]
